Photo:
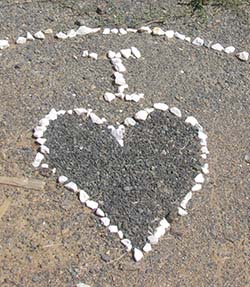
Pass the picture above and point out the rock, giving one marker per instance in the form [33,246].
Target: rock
[71,186]
[39,35]
[202,135]
[105,221]
[132,30]
[164,223]
[161,106]
[198,42]
[134,97]
[61,35]
[157,31]
[179,36]
[21,40]
[169,34]
[71,33]
[93,56]
[175,111]
[114,31]
[45,166]
[152,239]
[82,285]
[111,54]
[141,115]
[136,52]
[197,187]
[113,228]
[91,204]
[199,178]
[80,111]
[118,133]
[83,196]
[41,141]
[38,159]
[52,115]
[44,149]
[149,110]
[159,232]
[130,122]
[243,56]
[138,255]
[229,50]
[145,29]
[207,44]
[85,53]
[119,79]
[48,31]
[192,121]
[204,156]
[109,97]
[147,247]
[247,157]
[205,169]
[127,243]
[205,150]
[126,53]
[70,112]
[120,234]
[186,199]
[4,44]
[96,120]
[61,112]
[122,31]
[182,212]
[188,39]
[83,30]
[118,66]
[29,37]
[217,47]
[44,122]
[62,179]
[106,31]
[100,212]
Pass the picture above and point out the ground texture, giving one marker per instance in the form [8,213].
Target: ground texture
[47,238]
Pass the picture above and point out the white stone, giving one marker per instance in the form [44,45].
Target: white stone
[62,179]
[83,196]
[41,141]
[39,35]
[132,30]
[38,159]
[71,186]
[122,88]
[120,234]
[191,120]
[52,115]
[111,54]
[205,169]
[204,156]
[165,223]
[44,122]
[85,53]
[4,44]
[129,122]
[119,67]
[106,31]
[188,39]
[93,56]
[21,40]
[122,31]
[113,228]
[118,133]
[48,31]
[44,149]
[186,199]
[119,79]
[243,56]
[109,97]
[114,31]
[126,53]
[149,110]
[175,111]
[198,42]
[161,106]
[197,187]
[96,120]
[199,178]
[54,170]
[160,231]
[141,115]
[157,31]
[145,29]
[169,34]
[217,47]
[152,239]
[83,30]
[45,166]
[134,97]
[120,95]
[179,36]
[205,150]
[127,243]
[61,112]
[182,212]
[82,285]
[70,112]
[61,35]
[138,255]
[91,204]
[136,52]
[38,133]
[229,50]
[80,111]
[40,128]
[29,37]
[100,212]
[71,33]
[147,247]
[105,221]
[202,135]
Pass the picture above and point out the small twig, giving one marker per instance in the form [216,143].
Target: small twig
[23,182]
[117,259]
[154,21]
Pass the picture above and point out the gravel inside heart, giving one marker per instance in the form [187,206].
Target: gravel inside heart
[136,185]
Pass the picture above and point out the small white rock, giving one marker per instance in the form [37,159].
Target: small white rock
[179,36]
[197,187]
[182,212]
[118,133]
[111,54]
[191,120]
[126,53]
[39,35]
[61,112]
[29,37]
[114,31]
[61,35]
[202,135]
[122,31]
[122,88]
[138,255]
[136,52]
[120,234]
[45,166]
[96,120]
[38,133]
[198,42]
[160,231]
[199,178]
[205,169]
[205,150]
[48,31]
[113,228]
[83,196]
[149,110]
[119,79]
[134,97]
[157,31]
[70,112]
[100,212]
[109,97]
[141,115]
[41,141]
[71,33]
[119,67]
[71,186]
[91,204]
[4,44]
[217,47]
[152,239]
[132,30]
[175,111]
[105,221]
[169,34]
[127,243]
[106,31]
[129,122]
[147,247]
[44,149]
[62,179]
[161,106]
[80,111]
[165,223]
[188,39]
[145,29]
[52,115]
[204,156]
[85,53]
[38,159]
[44,122]
[243,56]
[229,50]
[93,56]
[83,30]
[186,199]
[21,40]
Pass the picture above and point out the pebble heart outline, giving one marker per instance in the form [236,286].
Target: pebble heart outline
[118,133]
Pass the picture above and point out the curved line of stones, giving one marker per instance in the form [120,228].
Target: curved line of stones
[118,133]
[157,31]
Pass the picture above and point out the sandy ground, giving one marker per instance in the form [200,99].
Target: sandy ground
[47,238]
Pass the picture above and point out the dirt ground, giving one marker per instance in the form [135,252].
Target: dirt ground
[46,237]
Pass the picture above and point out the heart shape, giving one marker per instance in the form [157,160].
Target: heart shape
[137,184]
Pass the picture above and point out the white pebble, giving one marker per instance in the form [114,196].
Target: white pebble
[71,33]
[44,149]
[161,106]
[186,199]
[136,52]
[119,79]
[243,56]
[96,120]
[182,212]
[62,179]
[197,187]
[120,234]
[44,122]
[141,115]
[91,204]
[105,221]
[164,223]
[54,170]
[198,42]
[152,239]
[106,31]
[202,135]
[160,231]
[111,54]
[147,247]
[118,133]
[126,53]
[145,29]
[45,166]
[52,115]
[21,40]
[70,112]
[71,186]
[61,112]
[80,111]
[188,39]
[122,31]
[83,30]
[204,156]
[4,44]
[179,36]
[205,150]
[205,169]
[29,37]
[38,159]
[134,97]
[114,31]
[132,30]
[100,212]
[229,50]
[39,35]
[122,88]
[48,31]
[83,196]
[149,110]
[199,178]
[93,56]
[169,34]
[61,35]
[85,53]
[217,47]
[119,67]
[41,141]
[109,97]
[157,31]
[127,243]
[138,255]
[130,122]
[175,111]
[38,133]
[113,229]
[191,120]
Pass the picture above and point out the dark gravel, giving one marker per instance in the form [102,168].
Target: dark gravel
[136,185]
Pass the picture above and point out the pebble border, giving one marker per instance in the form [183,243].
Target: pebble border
[156,31]
[118,133]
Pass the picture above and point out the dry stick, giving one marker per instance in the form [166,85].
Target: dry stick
[35,184]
